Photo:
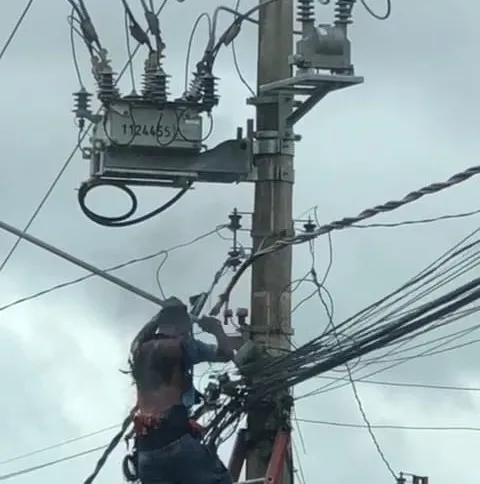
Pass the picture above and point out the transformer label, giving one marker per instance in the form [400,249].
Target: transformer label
[159,131]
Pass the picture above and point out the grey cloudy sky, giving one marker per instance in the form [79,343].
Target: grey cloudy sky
[411,123]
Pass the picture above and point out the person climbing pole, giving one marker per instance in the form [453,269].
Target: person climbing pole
[168,444]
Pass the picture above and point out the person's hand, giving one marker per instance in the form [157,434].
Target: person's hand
[211,325]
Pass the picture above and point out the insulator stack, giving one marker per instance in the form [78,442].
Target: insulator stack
[158,86]
[343,12]
[195,91]
[146,80]
[106,86]
[305,11]
[209,88]
[82,103]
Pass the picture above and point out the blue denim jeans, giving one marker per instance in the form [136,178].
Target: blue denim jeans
[183,461]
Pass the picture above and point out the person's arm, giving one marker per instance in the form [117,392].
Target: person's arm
[221,352]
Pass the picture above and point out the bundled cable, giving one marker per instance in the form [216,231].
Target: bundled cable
[444,292]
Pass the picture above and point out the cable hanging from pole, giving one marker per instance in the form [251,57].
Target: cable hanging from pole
[124,220]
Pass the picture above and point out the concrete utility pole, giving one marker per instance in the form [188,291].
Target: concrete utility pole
[272,218]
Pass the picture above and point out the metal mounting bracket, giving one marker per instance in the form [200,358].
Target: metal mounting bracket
[310,85]
[229,162]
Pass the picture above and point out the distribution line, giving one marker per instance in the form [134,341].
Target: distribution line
[80,263]
[405,384]
[130,262]
[28,470]
[391,427]
[58,444]
[15,28]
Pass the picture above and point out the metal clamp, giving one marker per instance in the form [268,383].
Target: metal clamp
[272,143]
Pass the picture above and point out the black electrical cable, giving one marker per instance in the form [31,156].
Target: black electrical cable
[58,444]
[136,30]
[88,32]
[385,16]
[335,386]
[455,251]
[202,16]
[28,470]
[15,28]
[122,220]
[383,336]
[236,64]
[111,447]
[110,269]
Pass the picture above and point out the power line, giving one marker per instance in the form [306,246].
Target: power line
[422,221]
[58,444]
[15,29]
[391,427]
[331,324]
[405,384]
[81,263]
[28,470]
[110,269]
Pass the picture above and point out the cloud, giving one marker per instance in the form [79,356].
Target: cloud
[410,124]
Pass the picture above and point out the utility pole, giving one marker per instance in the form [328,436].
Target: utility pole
[272,218]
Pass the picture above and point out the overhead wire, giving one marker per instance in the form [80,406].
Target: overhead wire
[110,269]
[393,427]
[397,427]
[135,29]
[28,470]
[235,60]
[385,16]
[82,264]
[333,387]
[129,54]
[392,331]
[331,324]
[425,386]
[15,29]
[283,373]
[196,24]
[405,223]
[345,223]
[58,444]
